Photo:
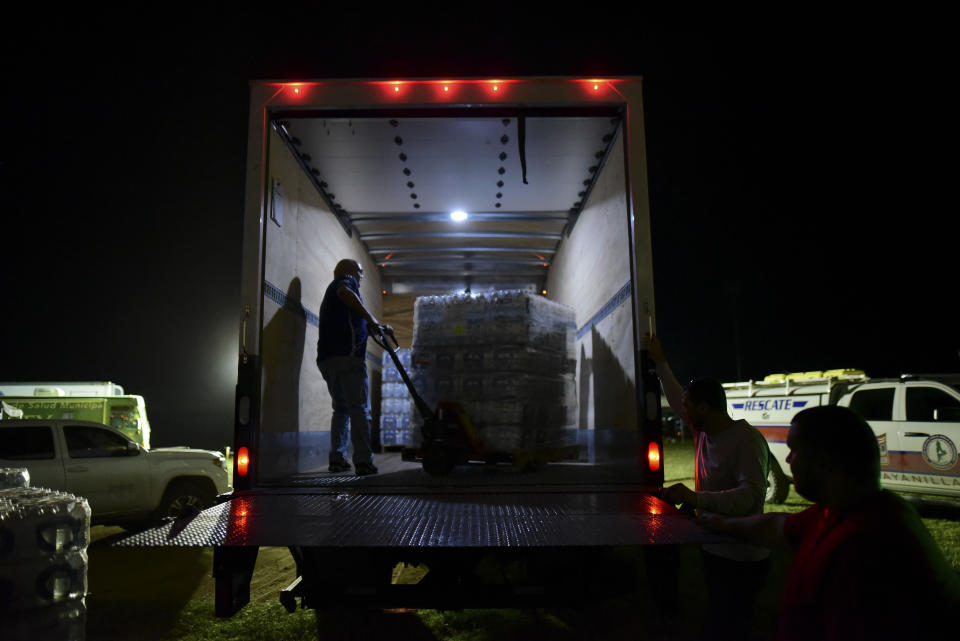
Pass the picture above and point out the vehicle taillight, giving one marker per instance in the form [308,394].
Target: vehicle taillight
[653,456]
[243,461]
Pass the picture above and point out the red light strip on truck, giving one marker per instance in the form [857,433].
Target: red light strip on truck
[653,456]
[447,88]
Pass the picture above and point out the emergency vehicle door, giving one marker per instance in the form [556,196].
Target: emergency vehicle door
[876,403]
[930,435]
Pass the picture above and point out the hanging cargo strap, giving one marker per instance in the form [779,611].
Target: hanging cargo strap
[522,142]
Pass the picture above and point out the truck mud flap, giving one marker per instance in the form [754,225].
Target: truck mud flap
[232,571]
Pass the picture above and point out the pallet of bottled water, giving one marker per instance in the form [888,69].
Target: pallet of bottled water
[395,417]
[508,357]
[498,318]
[43,560]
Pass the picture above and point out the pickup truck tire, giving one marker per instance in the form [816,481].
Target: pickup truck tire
[778,485]
[184,498]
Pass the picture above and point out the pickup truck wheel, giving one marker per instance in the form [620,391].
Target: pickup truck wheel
[778,485]
[183,499]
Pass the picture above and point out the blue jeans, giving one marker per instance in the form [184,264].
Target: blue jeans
[346,378]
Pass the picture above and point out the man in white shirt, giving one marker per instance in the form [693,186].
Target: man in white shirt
[730,478]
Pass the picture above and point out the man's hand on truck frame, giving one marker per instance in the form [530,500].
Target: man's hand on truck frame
[651,345]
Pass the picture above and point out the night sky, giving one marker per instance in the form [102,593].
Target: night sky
[796,169]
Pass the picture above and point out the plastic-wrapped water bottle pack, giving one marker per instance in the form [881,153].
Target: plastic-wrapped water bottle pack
[395,419]
[14,477]
[507,317]
[43,562]
[508,357]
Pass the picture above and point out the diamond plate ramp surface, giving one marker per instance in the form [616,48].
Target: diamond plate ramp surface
[446,520]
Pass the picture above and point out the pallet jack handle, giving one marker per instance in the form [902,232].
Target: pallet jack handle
[384,340]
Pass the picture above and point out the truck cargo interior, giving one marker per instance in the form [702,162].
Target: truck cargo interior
[503,231]
[542,231]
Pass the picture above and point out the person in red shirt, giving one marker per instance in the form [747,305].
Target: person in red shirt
[864,565]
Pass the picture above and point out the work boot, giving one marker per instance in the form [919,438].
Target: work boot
[336,468]
[364,469]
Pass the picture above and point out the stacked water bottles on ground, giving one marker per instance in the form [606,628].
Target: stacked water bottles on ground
[396,422]
[43,560]
[507,357]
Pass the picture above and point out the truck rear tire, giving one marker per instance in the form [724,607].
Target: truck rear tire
[778,485]
[183,499]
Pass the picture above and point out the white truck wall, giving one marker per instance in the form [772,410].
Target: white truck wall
[299,260]
[591,273]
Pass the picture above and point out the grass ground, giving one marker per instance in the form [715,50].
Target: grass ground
[167,593]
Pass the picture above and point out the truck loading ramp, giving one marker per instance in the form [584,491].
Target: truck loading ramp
[358,517]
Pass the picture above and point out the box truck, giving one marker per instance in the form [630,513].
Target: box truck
[457,188]
[62,388]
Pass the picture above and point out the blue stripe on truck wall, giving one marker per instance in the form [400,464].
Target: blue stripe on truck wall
[616,301]
[280,297]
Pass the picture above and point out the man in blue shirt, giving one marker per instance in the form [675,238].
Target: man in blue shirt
[341,357]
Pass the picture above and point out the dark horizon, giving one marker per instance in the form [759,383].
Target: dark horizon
[793,212]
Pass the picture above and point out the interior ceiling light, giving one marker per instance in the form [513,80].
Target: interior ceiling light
[458,215]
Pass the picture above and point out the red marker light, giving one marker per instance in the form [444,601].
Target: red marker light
[446,88]
[396,89]
[243,461]
[653,456]
[496,87]
[596,87]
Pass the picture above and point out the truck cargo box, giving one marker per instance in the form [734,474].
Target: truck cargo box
[541,168]
[446,188]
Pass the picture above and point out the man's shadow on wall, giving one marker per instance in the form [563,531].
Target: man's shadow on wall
[282,357]
[613,399]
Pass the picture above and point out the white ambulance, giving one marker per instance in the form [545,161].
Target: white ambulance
[916,419]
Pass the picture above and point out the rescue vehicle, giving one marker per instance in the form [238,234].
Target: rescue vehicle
[916,419]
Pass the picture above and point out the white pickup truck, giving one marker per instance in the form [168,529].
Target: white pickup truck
[916,419]
[124,483]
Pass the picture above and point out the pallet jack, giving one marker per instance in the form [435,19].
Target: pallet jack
[449,436]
